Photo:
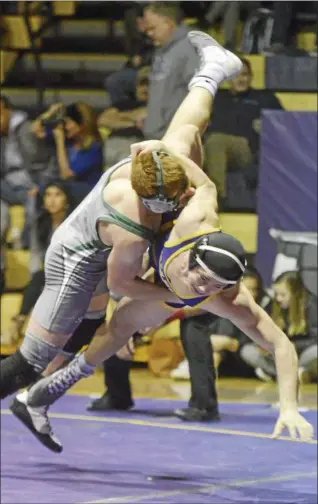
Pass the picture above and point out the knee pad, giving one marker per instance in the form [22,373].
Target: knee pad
[83,335]
[16,373]
[38,352]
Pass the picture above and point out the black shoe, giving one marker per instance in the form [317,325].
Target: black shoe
[24,414]
[105,403]
[197,415]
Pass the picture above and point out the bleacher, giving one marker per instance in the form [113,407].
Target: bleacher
[78,47]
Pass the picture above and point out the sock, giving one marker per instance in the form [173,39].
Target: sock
[85,368]
[204,82]
[211,74]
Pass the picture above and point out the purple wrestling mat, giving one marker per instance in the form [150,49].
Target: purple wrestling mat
[151,457]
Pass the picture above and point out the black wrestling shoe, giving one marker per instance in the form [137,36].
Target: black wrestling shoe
[105,403]
[36,420]
[197,415]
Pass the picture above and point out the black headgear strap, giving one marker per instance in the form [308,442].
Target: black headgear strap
[161,193]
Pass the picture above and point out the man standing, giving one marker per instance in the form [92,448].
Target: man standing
[173,65]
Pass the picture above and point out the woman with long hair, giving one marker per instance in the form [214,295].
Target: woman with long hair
[79,146]
[294,310]
[56,204]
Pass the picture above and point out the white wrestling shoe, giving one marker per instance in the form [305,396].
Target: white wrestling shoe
[217,64]
[37,421]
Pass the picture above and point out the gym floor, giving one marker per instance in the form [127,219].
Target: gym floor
[147,455]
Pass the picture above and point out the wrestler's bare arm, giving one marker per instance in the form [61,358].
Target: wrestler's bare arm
[180,145]
[186,141]
[124,267]
[241,309]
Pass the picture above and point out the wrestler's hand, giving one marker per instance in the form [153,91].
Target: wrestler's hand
[144,147]
[295,423]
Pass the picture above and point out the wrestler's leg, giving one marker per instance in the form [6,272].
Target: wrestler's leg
[35,419]
[58,312]
[217,65]
[129,317]
[93,323]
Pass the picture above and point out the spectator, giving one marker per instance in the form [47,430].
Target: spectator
[294,310]
[125,121]
[56,204]
[230,12]
[173,65]
[138,44]
[27,160]
[232,139]
[78,144]
[121,85]
[15,180]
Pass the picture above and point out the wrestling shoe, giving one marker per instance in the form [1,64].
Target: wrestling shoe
[216,63]
[47,390]
[37,421]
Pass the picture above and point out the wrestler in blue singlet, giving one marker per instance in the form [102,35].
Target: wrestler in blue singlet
[163,251]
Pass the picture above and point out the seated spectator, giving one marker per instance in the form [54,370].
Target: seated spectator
[294,310]
[232,140]
[78,144]
[125,121]
[15,180]
[56,205]
[27,159]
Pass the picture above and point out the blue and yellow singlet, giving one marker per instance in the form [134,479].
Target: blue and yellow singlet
[163,252]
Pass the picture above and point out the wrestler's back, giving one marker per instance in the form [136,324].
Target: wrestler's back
[194,219]
[87,225]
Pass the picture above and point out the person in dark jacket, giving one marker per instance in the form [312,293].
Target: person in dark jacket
[232,139]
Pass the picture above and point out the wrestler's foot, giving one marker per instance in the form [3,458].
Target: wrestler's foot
[47,390]
[37,421]
[217,64]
